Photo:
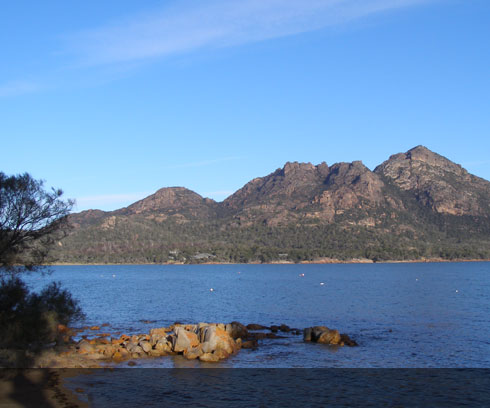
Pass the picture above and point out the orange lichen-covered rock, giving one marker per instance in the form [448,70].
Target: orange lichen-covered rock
[215,338]
[184,340]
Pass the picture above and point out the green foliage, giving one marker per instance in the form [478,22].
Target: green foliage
[31,219]
[403,238]
[30,320]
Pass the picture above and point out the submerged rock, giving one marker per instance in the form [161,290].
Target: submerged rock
[284,328]
[253,326]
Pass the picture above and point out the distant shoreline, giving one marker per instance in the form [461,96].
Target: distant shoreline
[315,262]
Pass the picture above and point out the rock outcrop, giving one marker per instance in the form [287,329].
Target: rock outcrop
[205,341]
[208,342]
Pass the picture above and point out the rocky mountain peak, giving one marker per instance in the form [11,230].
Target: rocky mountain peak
[171,200]
[437,182]
[291,168]
[419,158]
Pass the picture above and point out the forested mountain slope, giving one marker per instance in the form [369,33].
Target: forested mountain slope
[415,205]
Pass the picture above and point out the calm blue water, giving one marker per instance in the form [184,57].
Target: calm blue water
[402,315]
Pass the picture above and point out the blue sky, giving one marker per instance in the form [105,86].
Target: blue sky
[113,100]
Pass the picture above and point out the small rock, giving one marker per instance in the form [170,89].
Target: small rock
[162,331]
[134,349]
[117,356]
[250,344]
[348,341]
[193,353]
[156,353]
[258,336]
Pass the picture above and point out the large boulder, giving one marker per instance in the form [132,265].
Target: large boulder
[146,346]
[324,335]
[216,340]
[329,337]
[237,330]
[184,340]
[193,353]
[164,346]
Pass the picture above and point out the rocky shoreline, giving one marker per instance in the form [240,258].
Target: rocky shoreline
[207,342]
[28,375]
[319,261]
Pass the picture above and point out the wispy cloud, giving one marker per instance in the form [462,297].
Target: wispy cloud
[15,88]
[190,25]
[205,162]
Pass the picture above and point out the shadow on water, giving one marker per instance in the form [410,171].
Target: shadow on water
[24,386]
[287,387]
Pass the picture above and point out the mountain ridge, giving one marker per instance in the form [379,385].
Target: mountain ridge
[414,204]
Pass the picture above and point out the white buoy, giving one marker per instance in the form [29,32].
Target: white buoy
[113,275]
[417,279]
[321,283]
[457,291]
[211,290]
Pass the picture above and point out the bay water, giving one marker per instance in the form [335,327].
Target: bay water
[402,315]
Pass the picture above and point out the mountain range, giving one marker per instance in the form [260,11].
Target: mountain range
[415,205]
